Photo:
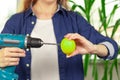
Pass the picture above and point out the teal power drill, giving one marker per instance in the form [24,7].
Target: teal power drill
[21,41]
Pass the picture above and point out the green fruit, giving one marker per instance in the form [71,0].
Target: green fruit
[67,46]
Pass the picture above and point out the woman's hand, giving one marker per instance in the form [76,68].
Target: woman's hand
[10,56]
[83,46]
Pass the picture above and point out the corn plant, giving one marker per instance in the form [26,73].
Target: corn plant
[105,21]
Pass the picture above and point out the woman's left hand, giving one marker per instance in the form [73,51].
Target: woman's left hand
[83,46]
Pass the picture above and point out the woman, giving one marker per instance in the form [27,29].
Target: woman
[51,21]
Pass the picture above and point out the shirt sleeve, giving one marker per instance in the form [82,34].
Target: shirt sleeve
[88,31]
[13,24]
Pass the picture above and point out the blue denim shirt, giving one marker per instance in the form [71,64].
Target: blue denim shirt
[64,22]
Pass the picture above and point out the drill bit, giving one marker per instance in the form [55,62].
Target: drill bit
[51,44]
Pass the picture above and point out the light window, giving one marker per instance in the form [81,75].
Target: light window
[7,8]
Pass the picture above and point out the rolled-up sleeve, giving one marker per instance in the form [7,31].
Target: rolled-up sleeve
[88,31]
[111,50]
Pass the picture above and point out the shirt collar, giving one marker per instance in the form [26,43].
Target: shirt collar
[30,12]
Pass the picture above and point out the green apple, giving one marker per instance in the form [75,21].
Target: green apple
[67,46]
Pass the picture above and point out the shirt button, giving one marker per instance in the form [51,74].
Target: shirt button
[33,14]
[32,22]
[27,49]
[27,65]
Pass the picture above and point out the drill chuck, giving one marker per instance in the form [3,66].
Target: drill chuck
[34,42]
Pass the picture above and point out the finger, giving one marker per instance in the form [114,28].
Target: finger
[15,54]
[2,65]
[72,54]
[12,63]
[15,49]
[73,36]
[76,36]
[68,35]
[12,59]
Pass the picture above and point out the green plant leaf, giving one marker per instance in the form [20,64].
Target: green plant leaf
[88,8]
[114,64]
[96,74]
[111,71]
[72,1]
[81,8]
[95,70]
[103,10]
[102,19]
[94,65]
[86,64]
[116,68]
[112,13]
[117,24]
[105,76]
[73,7]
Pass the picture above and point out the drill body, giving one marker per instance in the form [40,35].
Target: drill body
[10,40]
[21,41]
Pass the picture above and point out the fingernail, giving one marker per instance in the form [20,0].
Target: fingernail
[67,56]
[22,55]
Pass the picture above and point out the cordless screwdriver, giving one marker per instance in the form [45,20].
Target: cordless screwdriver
[21,41]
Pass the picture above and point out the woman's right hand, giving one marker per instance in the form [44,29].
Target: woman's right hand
[10,56]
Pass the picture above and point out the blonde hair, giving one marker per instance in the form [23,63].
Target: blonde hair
[25,4]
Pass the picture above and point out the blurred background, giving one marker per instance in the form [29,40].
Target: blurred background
[103,15]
